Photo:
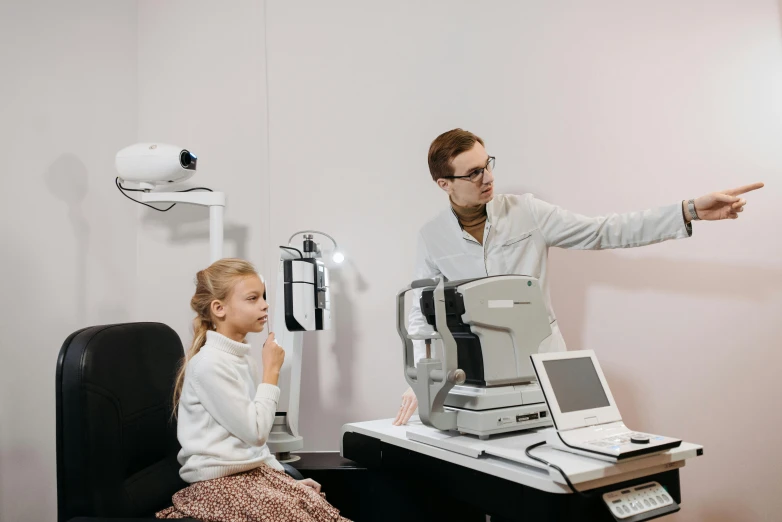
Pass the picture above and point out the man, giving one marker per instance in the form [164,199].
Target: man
[485,235]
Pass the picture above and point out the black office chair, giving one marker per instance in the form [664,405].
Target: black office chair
[116,438]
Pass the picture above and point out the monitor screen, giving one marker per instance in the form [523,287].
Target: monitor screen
[576,384]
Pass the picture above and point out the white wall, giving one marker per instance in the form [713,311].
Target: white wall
[67,104]
[201,85]
[601,107]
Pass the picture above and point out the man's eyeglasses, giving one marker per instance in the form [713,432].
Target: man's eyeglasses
[476,176]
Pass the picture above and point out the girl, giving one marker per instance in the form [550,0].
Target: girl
[225,413]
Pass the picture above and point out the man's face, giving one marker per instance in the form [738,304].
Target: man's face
[463,191]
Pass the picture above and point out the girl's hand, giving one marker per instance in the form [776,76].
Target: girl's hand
[272,356]
[310,483]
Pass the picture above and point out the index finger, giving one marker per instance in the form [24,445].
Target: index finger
[744,189]
[399,416]
[408,412]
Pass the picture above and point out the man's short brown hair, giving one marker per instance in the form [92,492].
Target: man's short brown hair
[446,147]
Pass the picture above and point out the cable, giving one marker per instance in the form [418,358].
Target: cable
[301,256]
[334,241]
[123,190]
[129,190]
[549,464]
[205,189]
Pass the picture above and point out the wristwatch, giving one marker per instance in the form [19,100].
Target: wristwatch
[691,210]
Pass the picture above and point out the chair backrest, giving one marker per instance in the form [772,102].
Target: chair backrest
[116,439]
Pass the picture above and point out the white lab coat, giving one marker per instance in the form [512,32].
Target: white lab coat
[518,233]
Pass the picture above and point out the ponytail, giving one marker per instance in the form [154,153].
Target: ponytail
[212,284]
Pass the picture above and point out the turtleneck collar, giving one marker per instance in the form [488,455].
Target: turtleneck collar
[469,216]
[220,342]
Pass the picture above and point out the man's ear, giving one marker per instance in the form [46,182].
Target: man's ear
[444,184]
[218,310]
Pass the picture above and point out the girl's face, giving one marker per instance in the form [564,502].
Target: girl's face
[244,311]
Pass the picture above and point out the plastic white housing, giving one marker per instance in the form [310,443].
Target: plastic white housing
[155,164]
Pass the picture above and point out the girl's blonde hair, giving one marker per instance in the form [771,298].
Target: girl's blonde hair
[213,283]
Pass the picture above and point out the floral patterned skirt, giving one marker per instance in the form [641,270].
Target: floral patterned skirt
[261,494]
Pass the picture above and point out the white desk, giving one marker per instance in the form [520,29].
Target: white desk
[503,456]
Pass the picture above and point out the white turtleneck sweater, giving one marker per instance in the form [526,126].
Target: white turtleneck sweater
[225,415]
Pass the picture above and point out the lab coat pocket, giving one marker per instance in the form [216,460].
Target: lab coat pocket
[516,240]
[454,266]
[520,255]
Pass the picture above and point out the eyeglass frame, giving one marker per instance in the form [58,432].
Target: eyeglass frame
[477,173]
